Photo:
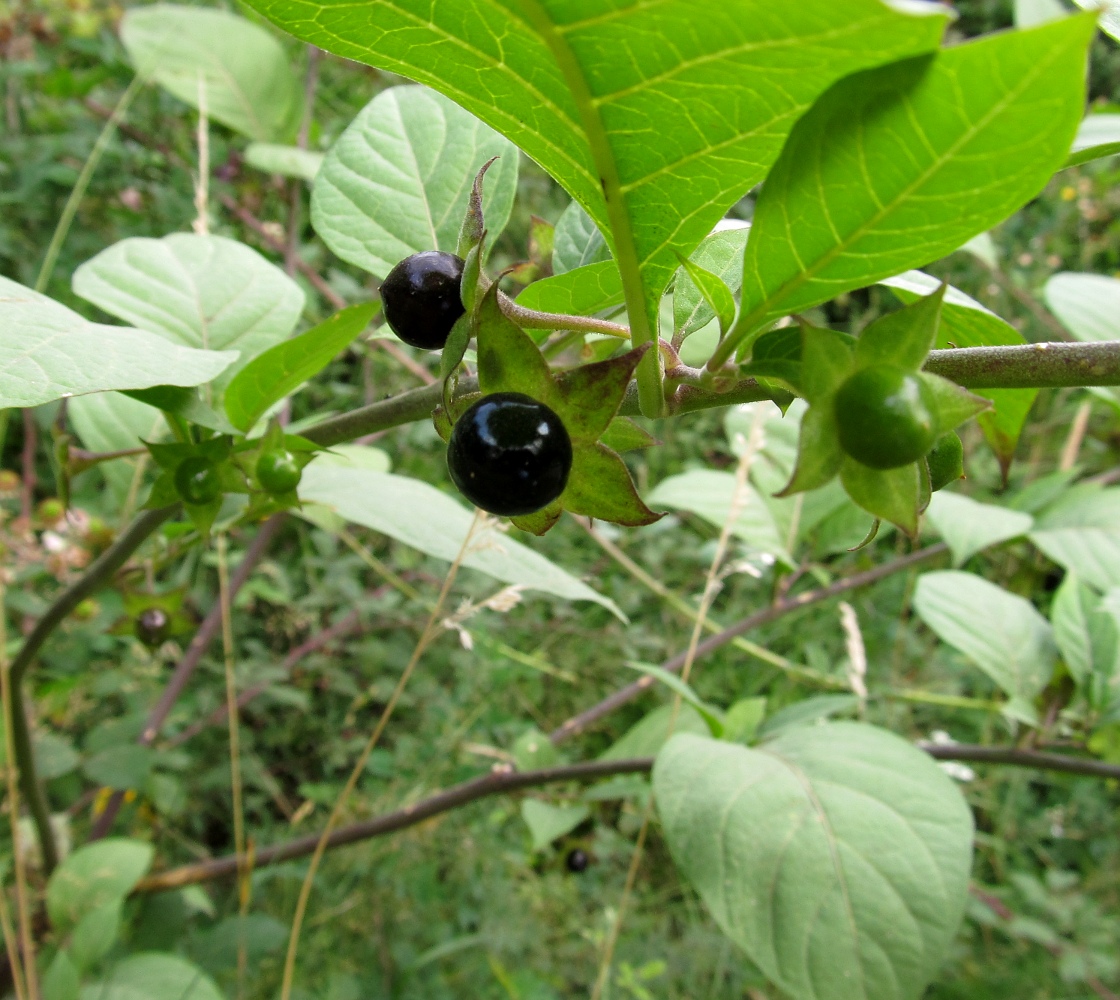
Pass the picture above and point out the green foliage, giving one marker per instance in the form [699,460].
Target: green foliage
[853,836]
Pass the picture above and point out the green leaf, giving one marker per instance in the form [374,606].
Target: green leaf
[199,291]
[427,519]
[508,360]
[721,254]
[827,359]
[647,736]
[96,933]
[901,165]
[777,355]
[966,323]
[1087,304]
[711,715]
[655,145]
[95,874]
[1000,632]
[282,369]
[121,768]
[622,434]
[714,291]
[709,494]
[904,338]
[807,712]
[890,494]
[112,421]
[1086,635]
[547,823]
[61,981]
[1109,11]
[398,180]
[540,522]
[1081,532]
[577,242]
[286,161]
[248,78]
[47,352]
[836,856]
[819,455]
[154,976]
[1098,136]
[579,292]
[600,486]
[742,719]
[969,526]
[587,398]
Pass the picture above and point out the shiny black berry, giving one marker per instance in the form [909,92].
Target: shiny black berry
[577,860]
[152,626]
[509,454]
[197,480]
[421,298]
[278,471]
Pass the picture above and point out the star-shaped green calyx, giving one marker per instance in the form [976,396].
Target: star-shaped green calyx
[823,362]
[586,399]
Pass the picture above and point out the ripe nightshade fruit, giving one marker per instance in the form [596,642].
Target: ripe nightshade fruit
[509,454]
[946,461]
[278,471]
[421,298]
[886,417]
[152,625]
[197,480]
[577,860]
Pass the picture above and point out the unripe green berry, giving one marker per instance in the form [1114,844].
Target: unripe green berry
[197,480]
[886,417]
[278,471]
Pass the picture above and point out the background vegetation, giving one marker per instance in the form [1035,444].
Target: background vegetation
[463,905]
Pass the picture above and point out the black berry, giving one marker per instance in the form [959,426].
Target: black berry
[151,626]
[278,471]
[577,860]
[197,480]
[421,298]
[509,454]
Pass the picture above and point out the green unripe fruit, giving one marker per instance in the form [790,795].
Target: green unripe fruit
[946,461]
[886,417]
[197,480]
[278,471]
[50,512]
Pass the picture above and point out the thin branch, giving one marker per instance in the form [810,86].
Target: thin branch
[1039,759]
[578,723]
[99,573]
[207,631]
[501,780]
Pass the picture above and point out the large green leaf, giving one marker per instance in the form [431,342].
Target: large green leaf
[1086,635]
[282,369]
[1000,632]
[1082,533]
[579,292]
[201,291]
[398,179]
[969,526]
[577,241]
[655,118]
[901,165]
[248,78]
[837,856]
[93,875]
[1087,304]
[709,493]
[154,976]
[424,518]
[48,351]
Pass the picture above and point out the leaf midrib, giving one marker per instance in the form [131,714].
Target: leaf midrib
[806,274]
